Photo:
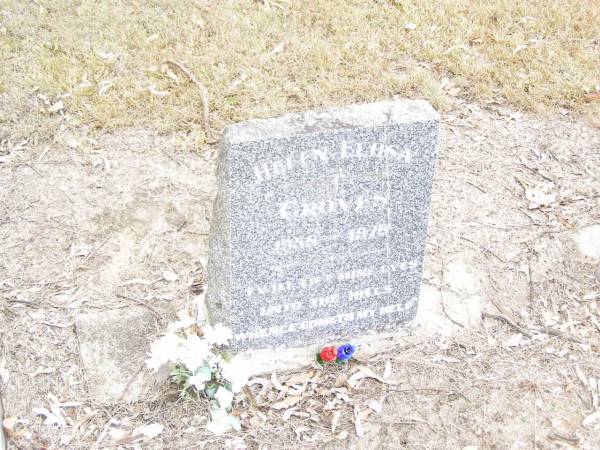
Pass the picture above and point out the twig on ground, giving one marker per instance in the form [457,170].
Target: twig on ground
[268,3]
[204,92]
[3,444]
[141,303]
[497,306]
[557,437]
[543,330]
[248,393]
[58,325]
[39,5]
[174,158]
[507,321]
[24,302]
[476,187]
[530,282]
[485,249]
[566,201]
[130,382]
[537,172]
[554,332]
[401,421]
[455,322]
[92,253]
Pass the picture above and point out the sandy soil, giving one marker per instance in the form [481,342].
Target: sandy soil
[90,224]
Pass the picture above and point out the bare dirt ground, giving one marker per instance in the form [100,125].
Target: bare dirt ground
[93,224]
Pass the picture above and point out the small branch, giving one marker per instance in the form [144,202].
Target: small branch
[543,330]
[3,441]
[455,322]
[507,321]
[42,8]
[23,302]
[204,93]
[554,332]
[485,249]
[537,172]
[530,283]
[57,325]
[141,303]
[248,393]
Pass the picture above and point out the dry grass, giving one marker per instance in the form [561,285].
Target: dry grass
[264,58]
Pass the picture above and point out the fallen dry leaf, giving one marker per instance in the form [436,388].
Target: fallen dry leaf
[277,49]
[10,427]
[341,379]
[342,395]
[298,391]
[158,93]
[168,72]
[276,384]
[357,423]
[4,373]
[375,405]
[343,435]
[365,372]
[301,430]
[589,420]
[121,435]
[287,402]
[299,378]
[387,371]
[44,371]
[104,86]
[593,97]
[49,417]
[335,419]
[169,276]
[150,431]
[261,381]
[541,195]
[56,107]
[288,413]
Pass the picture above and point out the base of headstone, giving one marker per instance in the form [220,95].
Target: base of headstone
[463,297]
[283,359]
[265,361]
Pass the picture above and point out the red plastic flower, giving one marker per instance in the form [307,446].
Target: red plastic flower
[328,354]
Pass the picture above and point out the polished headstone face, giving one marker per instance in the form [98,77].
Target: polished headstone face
[319,224]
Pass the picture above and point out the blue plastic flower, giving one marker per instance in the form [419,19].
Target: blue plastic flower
[345,352]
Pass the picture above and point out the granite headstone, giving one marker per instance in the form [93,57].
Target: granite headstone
[319,223]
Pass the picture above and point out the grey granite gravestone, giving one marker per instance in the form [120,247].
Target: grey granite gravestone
[319,223]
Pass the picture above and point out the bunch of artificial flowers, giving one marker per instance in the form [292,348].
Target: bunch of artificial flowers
[336,354]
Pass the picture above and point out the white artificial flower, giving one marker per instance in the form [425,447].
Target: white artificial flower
[224,397]
[217,335]
[184,320]
[165,349]
[214,361]
[199,380]
[221,422]
[181,324]
[237,372]
[194,353]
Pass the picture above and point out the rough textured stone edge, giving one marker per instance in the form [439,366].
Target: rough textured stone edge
[220,241]
[133,386]
[3,441]
[366,115]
